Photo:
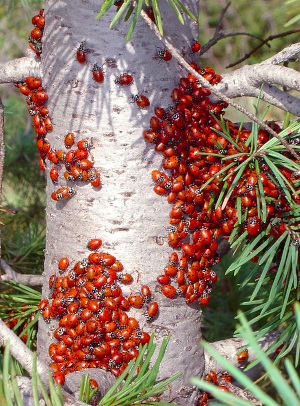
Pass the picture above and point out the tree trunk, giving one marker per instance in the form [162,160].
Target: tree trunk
[125,213]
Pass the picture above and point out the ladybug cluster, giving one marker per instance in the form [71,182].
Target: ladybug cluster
[177,133]
[221,380]
[94,329]
[77,165]
[198,168]
[35,38]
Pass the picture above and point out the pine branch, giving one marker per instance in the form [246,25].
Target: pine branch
[28,280]
[18,69]
[216,92]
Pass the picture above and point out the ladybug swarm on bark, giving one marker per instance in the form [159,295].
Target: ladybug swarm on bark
[94,328]
[197,161]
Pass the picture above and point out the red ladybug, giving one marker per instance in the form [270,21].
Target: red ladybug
[94,244]
[81,53]
[59,377]
[36,33]
[54,174]
[124,79]
[84,145]
[98,74]
[169,291]
[242,356]
[32,82]
[69,140]
[146,293]
[163,54]
[141,100]
[152,311]
[136,301]
[63,264]
[195,47]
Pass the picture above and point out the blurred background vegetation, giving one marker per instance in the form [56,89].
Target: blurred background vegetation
[23,234]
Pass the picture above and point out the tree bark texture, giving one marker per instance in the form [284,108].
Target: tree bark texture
[125,213]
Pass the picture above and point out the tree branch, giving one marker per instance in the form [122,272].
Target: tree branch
[229,349]
[28,280]
[247,81]
[290,53]
[213,89]
[16,70]
[265,41]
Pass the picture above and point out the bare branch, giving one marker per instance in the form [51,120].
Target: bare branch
[243,82]
[265,41]
[28,280]
[222,35]
[229,349]
[213,89]
[290,53]
[16,70]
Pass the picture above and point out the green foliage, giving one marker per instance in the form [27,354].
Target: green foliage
[288,390]
[10,394]
[293,9]
[23,317]
[177,6]
[140,380]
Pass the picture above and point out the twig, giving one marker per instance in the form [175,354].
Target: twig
[28,280]
[2,154]
[265,41]
[221,18]
[222,35]
[218,34]
[206,84]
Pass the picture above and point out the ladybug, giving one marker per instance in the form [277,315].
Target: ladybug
[95,180]
[98,74]
[84,145]
[136,301]
[195,47]
[69,140]
[242,356]
[63,263]
[141,100]
[36,33]
[81,53]
[124,79]
[169,291]
[125,278]
[54,174]
[32,82]
[163,54]
[59,377]
[152,311]
[94,244]
[146,293]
